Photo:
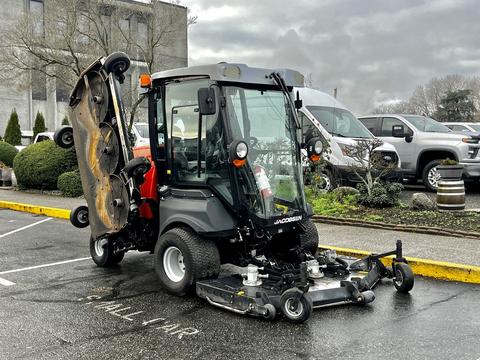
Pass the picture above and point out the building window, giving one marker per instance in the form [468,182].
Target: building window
[39,86]
[124,25]
[36,12]
[142,34]
[62,92]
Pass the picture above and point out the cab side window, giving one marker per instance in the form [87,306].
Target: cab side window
[371,124]
[387,124]
[309,130]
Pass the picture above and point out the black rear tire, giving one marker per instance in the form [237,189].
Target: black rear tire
[197,258]
[404,278]
[425,173]
[104,256]
[299,313]
[309,239]
[117,63]
[63,137]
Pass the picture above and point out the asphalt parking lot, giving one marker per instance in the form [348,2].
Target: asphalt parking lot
[56,304]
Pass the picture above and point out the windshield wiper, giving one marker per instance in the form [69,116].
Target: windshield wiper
[281,84]
[337,134]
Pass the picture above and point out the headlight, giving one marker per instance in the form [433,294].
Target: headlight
[241,150]
[318,147]
[470,140]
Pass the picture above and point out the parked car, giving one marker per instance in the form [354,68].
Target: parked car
[42,136]
[324,116]
[422,143]
[140,134]
[469,128]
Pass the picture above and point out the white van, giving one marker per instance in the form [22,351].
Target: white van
[322,115]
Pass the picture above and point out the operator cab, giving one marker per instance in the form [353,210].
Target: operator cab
[230,130]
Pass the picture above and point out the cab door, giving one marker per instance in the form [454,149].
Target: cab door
[405,147]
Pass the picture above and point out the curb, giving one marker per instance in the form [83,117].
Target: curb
[34,209]
[440,270]
[430,268]
[396,227]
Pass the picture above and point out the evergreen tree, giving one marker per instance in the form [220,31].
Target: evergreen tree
[13,134]
[39,125]
[456,106]
[65,120]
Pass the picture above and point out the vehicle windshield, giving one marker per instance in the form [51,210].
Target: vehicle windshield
[339,122]
[271,179]
[423,123]
[142,129]
[475,127]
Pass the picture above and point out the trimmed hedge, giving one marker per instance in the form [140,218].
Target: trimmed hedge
[7,153]
[39,165]
[70,184]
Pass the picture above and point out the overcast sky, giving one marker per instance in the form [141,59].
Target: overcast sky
[373,51]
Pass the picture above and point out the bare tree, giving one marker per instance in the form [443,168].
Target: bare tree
[72,33]
[370,165]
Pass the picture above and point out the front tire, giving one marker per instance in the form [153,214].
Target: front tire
[101,251]
[309,239]
[430,175]
[182,258]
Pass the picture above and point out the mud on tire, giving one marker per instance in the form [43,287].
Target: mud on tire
[197,258]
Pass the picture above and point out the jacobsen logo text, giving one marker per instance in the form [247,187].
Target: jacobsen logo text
[287,220]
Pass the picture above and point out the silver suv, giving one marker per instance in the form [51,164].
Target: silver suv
[422,143]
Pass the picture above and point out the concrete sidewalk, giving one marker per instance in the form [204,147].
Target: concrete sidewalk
[433,247]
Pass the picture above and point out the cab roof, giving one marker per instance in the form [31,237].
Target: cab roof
[312,97]
[240,73]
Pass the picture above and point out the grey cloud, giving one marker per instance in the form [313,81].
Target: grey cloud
[372,51]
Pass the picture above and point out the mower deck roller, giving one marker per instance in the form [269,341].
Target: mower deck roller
[219,184]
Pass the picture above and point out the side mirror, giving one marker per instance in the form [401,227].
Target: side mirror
[398,131]
[206,101]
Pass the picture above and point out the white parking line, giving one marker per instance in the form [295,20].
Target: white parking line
[25,227]
[44,265]
[5,282]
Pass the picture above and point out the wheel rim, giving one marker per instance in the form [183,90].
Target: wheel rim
[67,138]
[99,247]
[433,177]
[82,216]
[173,264]
[327,183]
[398,278]
[292,310]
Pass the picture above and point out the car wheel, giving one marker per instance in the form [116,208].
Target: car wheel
[431,176]
[182,258]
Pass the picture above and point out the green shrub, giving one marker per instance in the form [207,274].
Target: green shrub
[39,125]
[382,195]
[13,134]
[65,120]
[330,204]
[39,165]
[7,153]
[70,184]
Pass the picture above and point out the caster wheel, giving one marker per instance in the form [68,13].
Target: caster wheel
[137,167]
[296,311]
[63,137]
[404,278]
[102,253]
[117,63]
[270,312]
[366,297]
[79,217]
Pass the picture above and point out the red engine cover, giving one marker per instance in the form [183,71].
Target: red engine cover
[148,189]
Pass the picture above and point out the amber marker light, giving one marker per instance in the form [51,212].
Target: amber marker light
[145,80]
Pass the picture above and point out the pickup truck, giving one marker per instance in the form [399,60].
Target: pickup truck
[422,143]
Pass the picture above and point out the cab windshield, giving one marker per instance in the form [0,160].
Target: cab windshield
[423,123]
[339,122]
[271,179]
